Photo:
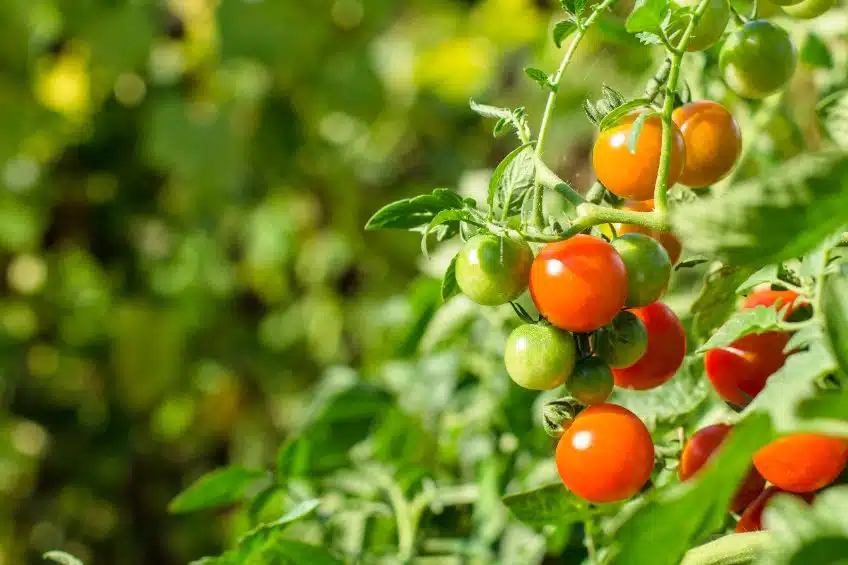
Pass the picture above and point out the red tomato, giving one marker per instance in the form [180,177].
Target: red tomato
[700,448]
[739,372]
[665,353]
[770,297]
[802,462]
[752,518]
[606,455]
[579,284]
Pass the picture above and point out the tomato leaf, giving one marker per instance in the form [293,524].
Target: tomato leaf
[815,52]
[540,76]
[450,288]
[415,213]
[489,111]
[635,131]
[546,505]
[562,30]
[777,216]
[616,114]
[450,217]
[647,15]
[834,303]
[62,558]
[717,299]
[221,487]
[765,275]
[751,321]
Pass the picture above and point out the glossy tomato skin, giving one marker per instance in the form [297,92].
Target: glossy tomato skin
[539,357]
[648,268]
[802,462]
[665,352]
[591,382]
[713,142]
[711,26]
[758,59]
[606,455]
[739,372]
[752,519]
[701,447]
[768,297]
[493,270]
[578,284]
[809,9]
[668,240]
[621,343]
[630,175]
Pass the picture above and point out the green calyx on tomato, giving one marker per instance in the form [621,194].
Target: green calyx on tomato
[493,270]
[623,342]
[591,382]
[710,27]
[648,268]
[558,414]
[758,59]
[539,357]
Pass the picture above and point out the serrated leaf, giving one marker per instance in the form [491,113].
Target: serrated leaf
[488,111]
[552,504]
[617,113]
[776,216]
[691,262]
[443,217]
[539,76]
[834,111]
[62,558]
[647,15]
[815,52]
[804,338]
[751,321]
[717,300]
[221,487]
[562,30]
[636,131]
[498,174]
[450,288]
[414,213]
[648,38]
[834,303]
[573,7]
[765,275]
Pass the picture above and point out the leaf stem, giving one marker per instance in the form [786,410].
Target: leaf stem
[735,549]
[583,27]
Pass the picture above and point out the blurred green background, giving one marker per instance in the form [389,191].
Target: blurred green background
[183,186]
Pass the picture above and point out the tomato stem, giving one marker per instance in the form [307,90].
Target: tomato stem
[583,27]
[734,549]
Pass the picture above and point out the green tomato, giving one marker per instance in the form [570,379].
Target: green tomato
[648,268]
[623,342]
[592,381]
[809,9]
[757,59]
[765,8]
[711,26]
[539,357]
[785,2]
[492,270]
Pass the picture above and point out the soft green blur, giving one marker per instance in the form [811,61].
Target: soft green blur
[184,186]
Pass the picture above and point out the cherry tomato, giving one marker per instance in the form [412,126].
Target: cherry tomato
[752,518]
[623,342]
[809,9]
[606,455]
[539,357]
[765,8]
[739,372]
[700,448]
[632,175]
[578,284]
[665,353]
[757,59]
[711,26]
[785,3]
[648,268]
[591,382]
[802,462]
[713,142]
[668,240]
[768,297]
[493,270]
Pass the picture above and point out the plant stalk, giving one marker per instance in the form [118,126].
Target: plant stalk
[734,549]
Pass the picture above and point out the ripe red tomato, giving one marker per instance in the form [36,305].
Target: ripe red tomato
[752,518]
[606,455]
[633,175]
[713,141]
[666,238]
[802,462]
[767,297]
[665,353]
[700,448]
[578,284]
[739,372]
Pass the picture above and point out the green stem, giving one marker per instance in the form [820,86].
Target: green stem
[735,549]
[583,27]
[589,215]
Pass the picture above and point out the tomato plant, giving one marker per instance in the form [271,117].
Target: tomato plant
[758,59]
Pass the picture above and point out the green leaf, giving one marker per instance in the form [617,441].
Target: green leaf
[562,30]
[635,131]
[415,213]
[617,113]
[648,38]
[751,321]
[647,15]
[573,7]
[450,288]
[299,512]
[815,52]
[691,262]
[671,404]
[546,505]
[834,303]
[62,558]
[540,76]
[765,275]
[511,180]
[445,217]
[717,301]
[490,111]
[834,114]
[779,215]
[221,487]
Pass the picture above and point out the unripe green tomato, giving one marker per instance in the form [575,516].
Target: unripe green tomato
[809,9]
[539,357]
[623,342]
[758,59]
[765,8]
[591,382]
[648,268]
[492,270]
[785,3]
[710,27]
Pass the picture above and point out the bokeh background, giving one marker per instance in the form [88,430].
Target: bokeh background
[183,187]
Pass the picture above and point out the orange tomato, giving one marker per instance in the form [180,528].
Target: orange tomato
[713,142]
[802,462]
